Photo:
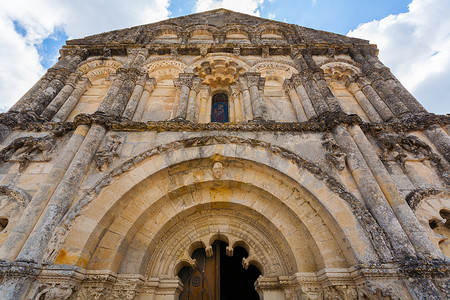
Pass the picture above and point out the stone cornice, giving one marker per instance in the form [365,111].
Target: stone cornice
[324,123]
[196,49]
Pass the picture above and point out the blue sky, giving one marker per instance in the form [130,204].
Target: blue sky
[413,35]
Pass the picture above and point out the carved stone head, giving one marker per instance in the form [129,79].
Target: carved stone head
[217,170]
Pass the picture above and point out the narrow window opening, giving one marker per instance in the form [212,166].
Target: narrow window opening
[219,108]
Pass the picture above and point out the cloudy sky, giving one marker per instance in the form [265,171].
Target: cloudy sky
[413,35]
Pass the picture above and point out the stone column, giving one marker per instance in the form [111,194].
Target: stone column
[440,139]
[66,64]
[317,100]
[192,109]
[306,79]
[25,101]
[385,92]
[373,195]
[31,214]
[322,85]
[236,100]
[399,90]
[137,58]
[270,288]
[375,99]
[400,207]
[121,100]
[58,77]
[248,113]
[364,103]
[61,98]
[258,105]
[304,98]
[113,90]
[204,95]
[261,85]
[136,95]
[72,101]
[185,81]
[289,88]
[142,106]
[61,200]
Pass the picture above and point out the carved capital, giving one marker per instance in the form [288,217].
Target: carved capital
[186,79]
[261,83]
[252,78]
[137,51]
[196,84]
[205,91]
[243,83]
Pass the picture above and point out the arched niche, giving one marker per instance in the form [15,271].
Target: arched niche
[13,201]
[201,36]
[236,34]
[162,99]
[98,75]
[166,34]
[341,77]
[272,33]
[433,213]
[300,195]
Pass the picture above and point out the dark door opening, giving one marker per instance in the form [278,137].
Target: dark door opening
[219,277]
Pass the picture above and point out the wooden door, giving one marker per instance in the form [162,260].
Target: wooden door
[202,282]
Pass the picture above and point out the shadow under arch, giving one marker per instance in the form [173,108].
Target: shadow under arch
[325,189]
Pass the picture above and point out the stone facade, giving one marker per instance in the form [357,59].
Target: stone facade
[329,173]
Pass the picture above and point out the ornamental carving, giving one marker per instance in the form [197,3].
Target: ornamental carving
[401,148]
[31,149]
[334,153]
[105,156]
[55,292]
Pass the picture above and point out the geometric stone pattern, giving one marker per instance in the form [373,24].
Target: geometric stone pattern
[329,173]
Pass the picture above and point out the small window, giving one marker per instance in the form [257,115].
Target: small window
[219,108]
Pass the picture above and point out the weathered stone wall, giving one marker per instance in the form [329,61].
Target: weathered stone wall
[330,174]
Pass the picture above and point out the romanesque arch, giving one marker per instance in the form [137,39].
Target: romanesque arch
[140,195]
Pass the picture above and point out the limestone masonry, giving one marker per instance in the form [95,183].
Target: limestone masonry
[223,156]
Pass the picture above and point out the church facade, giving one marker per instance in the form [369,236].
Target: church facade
[223,156]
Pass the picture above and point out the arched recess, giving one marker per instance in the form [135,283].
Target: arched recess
[433,213]
[342,77]
[236,34]
[167,34]
[279,106]
[97,73]
[201,34]
[273,33]
[13,201]
[112,221]
[162,99]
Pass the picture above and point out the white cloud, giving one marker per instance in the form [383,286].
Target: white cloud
[244,6]
[416,46]
[20,64]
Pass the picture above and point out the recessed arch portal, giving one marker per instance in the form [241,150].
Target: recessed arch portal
[107,209]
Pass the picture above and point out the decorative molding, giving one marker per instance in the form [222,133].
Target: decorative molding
[373,230]
[324,123]
[415,197]
[16,193]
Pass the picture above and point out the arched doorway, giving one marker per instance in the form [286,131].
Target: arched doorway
[222,275]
